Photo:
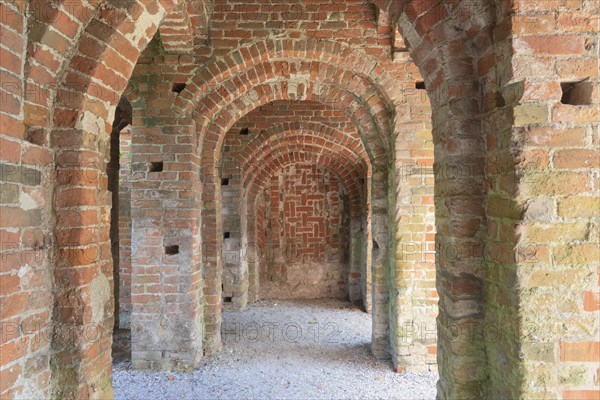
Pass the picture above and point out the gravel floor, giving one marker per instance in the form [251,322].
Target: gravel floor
[284,350]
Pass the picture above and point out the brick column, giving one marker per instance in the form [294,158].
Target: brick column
[358,262]
[380,265]
[414,300]
[166,298]
[212,258]
[249,250]
[166,280]
[125,250]
[83,273]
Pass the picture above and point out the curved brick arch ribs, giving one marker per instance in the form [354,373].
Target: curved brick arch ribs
[213,113]
[78,29]
[297,140]
[213,126]
[349,182]
[243,60]
[322,61]
[82,110]
[348,174]
[316,130]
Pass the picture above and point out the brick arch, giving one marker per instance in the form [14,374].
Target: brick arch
[212,131]
[68,115]
[341,151]
[299,64]
[445,40]
[70,39]
[80,112]
[316,130]
[301,138]
[452,44]
[224,109]
[244,60]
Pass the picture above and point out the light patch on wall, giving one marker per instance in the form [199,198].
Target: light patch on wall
[100,294]
[144,22]
[297,86]
[90,122]
[26,202]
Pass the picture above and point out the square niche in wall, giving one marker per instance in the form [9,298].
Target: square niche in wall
[577,93]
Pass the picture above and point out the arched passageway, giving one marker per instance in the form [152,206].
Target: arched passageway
[510,118]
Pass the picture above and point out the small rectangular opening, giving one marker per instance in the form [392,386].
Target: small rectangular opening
[224,181]
[227,299]
[171,250]
[226,235]
[577,93]
[244,131]
[157,166]
[178,87]
[420,85]
[35,136]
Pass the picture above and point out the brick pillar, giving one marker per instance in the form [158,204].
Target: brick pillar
[83,273]
[166,283]
[380,265]
[235,264]
[414,300]
[358,253]
[459,255]
[212,258]
[367,282]
[249,251]
[125,249]
[446,57]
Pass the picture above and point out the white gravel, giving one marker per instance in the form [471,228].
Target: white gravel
[303,350]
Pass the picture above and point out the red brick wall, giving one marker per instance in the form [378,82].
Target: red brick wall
[303,226]
[236,23]
[550,163]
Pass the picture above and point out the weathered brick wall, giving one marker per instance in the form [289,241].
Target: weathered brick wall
[303,221]
[543,202]
[236,23]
